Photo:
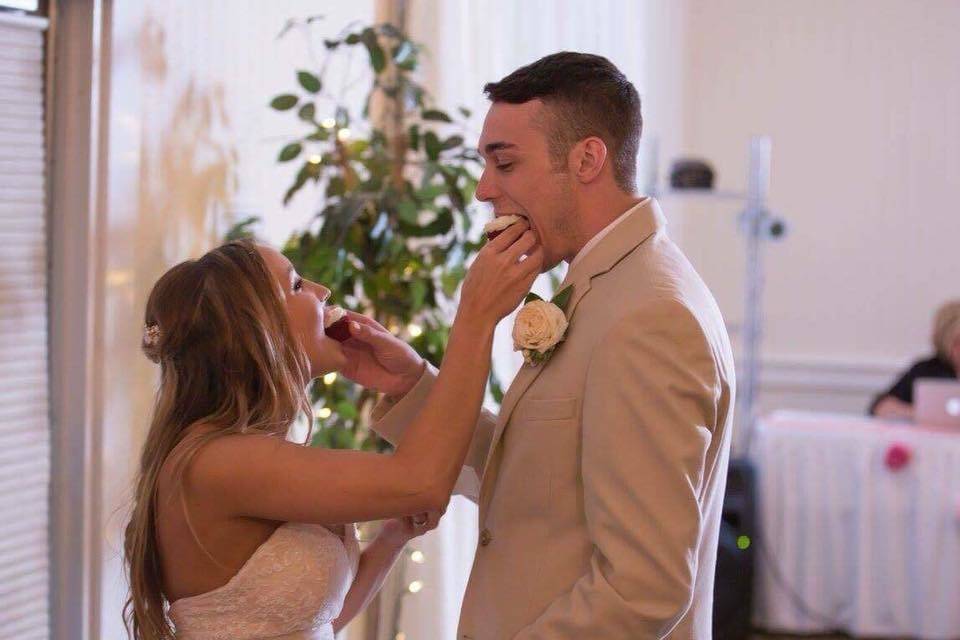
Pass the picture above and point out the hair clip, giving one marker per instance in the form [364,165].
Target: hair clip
[151,335]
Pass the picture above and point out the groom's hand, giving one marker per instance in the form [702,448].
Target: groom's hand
[379,360]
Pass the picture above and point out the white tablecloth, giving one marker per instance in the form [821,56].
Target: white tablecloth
[846,543]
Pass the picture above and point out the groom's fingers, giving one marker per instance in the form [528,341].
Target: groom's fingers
[521,246]
[370,335]
[508,236]
[365,320]
[534,262]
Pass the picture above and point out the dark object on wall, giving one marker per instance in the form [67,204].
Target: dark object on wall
[733,585]
[691,174]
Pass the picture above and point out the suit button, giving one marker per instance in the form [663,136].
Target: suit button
[485,537]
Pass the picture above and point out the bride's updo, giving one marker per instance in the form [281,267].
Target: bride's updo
[218,328]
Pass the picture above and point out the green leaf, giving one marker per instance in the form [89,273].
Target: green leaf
[308,81]
[319,135]
[431,192]
[414,133]
[438,227]
[531,297]
[353,38]
[452,142]
[378,59]
[431,144]
[418,292]
[451,279]
[331,44]
[242,229]
[335,187]
[309,171]
[290,152]
[407,210]
[563,297]
[466,113]
[436,115]
[496,390]
[307,112]
[284,102]
[346,410]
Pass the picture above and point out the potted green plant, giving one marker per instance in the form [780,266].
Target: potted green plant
[395,228]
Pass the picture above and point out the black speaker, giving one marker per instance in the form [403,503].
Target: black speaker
[736,552]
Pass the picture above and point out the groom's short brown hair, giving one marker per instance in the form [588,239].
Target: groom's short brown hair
[587,96]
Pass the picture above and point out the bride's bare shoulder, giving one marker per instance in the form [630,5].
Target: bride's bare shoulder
[214,463]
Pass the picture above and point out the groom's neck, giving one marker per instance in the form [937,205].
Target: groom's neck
[597,212]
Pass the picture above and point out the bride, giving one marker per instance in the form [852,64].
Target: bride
[238,533]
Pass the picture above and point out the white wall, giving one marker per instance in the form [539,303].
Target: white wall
[861,99]
[192,144]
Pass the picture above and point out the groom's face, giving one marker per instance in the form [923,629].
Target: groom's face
[519,177]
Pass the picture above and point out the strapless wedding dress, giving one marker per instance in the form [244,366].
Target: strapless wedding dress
[291,588]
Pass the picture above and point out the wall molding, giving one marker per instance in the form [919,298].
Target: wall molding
[826,375]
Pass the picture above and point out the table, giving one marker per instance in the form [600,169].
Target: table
[846,542]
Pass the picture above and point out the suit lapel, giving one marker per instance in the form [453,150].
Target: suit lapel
[633,231]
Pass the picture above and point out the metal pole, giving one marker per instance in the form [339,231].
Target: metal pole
[754,223]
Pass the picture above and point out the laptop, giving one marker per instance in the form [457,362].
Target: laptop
[936,402]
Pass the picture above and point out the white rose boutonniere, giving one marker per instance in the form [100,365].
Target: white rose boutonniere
[540,326]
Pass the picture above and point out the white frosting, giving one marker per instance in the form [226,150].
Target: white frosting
[331,315]
[500,223]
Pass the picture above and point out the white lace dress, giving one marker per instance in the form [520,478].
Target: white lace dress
[291,588]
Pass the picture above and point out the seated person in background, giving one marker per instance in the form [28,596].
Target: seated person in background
[897,402]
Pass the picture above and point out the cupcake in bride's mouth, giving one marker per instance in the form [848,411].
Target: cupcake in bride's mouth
[497,226]
[335,324]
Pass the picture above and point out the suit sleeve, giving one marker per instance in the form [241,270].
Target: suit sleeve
[391,417]
[649,410]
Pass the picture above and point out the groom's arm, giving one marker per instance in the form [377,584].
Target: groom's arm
[392,415]
[648,410]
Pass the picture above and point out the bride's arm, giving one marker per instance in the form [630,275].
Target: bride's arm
[375,563]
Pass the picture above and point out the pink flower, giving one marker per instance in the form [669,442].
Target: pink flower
[898,456]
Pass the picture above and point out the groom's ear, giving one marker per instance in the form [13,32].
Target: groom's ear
[588,157]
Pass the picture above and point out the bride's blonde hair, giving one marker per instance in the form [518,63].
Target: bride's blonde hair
[228,360]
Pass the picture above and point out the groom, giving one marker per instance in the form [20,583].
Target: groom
[601,481]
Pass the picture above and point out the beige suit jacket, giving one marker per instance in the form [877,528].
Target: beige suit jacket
[600,483]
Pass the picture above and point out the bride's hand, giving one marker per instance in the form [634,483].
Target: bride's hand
[379,360]
[400,531]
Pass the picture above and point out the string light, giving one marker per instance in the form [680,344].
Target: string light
[743,542]
[417,557]
[343,134]
[324,413]
[415,330]
[328,123]
[315,159]
[330,378]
